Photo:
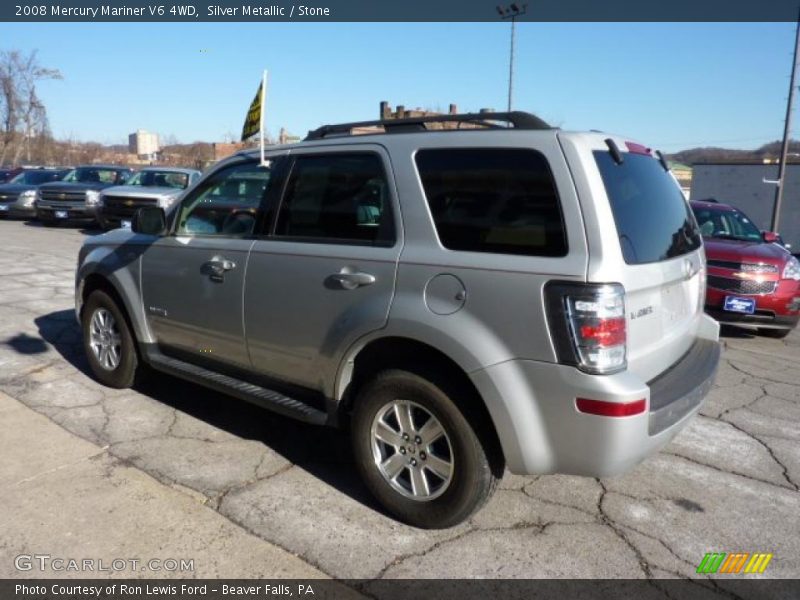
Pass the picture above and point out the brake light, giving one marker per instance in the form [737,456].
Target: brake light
[609,332]
[587,322]
[638,148]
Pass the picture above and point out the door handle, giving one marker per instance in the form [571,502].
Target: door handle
[351,279]
[216,268]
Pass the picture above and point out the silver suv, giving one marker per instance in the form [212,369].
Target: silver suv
[466,293]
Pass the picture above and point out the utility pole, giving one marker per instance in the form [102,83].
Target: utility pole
[511,12]
[787,131]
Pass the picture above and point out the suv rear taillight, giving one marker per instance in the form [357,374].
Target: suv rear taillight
[587,324]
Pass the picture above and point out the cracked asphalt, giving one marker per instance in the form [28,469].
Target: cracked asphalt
[729,482]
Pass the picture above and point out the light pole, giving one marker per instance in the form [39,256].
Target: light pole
[511,12]
[787,131]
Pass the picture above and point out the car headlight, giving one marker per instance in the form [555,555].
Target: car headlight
[27,197]
[166,201]
[792,269]
[92,197]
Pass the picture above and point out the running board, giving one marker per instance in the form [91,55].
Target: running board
[266,398]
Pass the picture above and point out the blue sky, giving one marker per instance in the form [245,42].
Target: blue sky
[673,86]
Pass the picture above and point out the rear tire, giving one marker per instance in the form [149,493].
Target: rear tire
[441,473]
[778,334]
[108,342]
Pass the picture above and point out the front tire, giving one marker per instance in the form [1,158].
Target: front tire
[108,342]
[418,453]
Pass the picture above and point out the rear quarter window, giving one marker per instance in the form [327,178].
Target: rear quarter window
[498,200]
[653,220]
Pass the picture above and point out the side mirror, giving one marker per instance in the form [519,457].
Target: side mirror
[149,220]
[769,236]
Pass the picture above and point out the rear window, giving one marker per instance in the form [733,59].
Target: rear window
[498,200]
[653,220]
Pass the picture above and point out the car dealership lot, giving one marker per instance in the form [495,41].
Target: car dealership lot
[729,483]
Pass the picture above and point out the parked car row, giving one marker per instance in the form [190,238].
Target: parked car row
[107,195]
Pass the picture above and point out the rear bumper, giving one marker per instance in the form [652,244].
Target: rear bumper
[681,389]
[533,406]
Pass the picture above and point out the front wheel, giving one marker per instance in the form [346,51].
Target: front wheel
[108,342]
[417,452]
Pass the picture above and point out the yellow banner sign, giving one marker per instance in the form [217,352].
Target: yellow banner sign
[252,124]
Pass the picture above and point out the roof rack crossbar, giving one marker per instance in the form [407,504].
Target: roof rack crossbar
[519,119]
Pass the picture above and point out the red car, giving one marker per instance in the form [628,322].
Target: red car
[751,279]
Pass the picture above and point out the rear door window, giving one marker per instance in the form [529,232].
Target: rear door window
[499,200]
[337,198]
[653,219]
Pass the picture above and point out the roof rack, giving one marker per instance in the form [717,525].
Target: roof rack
[519,119]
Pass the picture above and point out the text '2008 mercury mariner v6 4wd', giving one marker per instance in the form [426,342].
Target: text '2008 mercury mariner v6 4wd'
[466,293]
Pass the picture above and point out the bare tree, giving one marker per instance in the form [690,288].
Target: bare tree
[22,114]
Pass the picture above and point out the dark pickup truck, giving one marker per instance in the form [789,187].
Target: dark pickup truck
[17,197]
[77,196]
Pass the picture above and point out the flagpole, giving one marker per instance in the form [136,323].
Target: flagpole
[263,107]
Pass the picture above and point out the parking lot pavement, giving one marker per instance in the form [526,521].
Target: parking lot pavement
[728,483]
[67,498]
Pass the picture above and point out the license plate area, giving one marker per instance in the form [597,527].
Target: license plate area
[735,304]
[3,207]
[61,214]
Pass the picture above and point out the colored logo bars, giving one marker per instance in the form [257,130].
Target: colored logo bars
[736,562]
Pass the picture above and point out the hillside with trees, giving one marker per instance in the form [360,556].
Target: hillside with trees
[771,151]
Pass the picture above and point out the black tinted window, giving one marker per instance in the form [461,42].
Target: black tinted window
[493,200]
[653,220]
[340,197]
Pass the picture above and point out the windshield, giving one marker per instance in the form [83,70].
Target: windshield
[92,175]
[728,224]
[37,177]
[652,218]
[171,179]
